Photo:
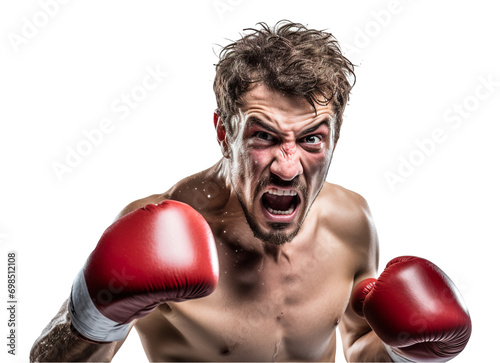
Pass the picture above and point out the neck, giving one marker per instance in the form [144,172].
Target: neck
[223,171]
[238,232]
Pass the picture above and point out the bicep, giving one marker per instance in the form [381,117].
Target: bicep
[352,327]
[364,241]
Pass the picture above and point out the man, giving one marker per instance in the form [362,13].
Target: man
[258,258]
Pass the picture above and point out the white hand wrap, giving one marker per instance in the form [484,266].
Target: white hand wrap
[395,356]
[88,320]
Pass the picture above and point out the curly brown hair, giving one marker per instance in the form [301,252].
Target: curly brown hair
[289,58]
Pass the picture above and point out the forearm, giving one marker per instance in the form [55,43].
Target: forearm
[58,343]
[368,348]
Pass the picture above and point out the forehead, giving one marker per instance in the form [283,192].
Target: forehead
[273,106]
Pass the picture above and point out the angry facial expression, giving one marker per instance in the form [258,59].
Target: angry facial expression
[279,157]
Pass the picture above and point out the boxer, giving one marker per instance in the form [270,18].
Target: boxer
[258,258]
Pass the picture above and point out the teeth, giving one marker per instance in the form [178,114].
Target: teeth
[283,212]
[276,191]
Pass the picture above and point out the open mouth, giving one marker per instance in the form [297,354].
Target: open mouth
[280,202]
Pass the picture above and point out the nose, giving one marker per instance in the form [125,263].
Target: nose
[287,164]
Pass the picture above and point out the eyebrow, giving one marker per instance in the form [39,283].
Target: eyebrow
[255,121]
[317,126]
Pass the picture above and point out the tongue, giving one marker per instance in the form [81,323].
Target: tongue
[278,202]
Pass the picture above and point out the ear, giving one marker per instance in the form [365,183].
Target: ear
[221,134]
[219,127]
[216,119]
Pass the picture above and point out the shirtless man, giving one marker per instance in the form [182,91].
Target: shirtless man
[262,259]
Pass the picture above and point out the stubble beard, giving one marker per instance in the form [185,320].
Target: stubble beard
[276,236]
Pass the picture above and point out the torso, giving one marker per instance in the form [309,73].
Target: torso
[271,304]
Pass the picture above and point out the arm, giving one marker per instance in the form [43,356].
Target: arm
[59,343]
[412,312]
[157,253]
[360,343]
[416,310]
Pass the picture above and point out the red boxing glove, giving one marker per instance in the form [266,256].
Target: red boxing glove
[415,309]
[162,252]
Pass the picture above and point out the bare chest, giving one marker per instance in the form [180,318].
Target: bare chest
[265,310]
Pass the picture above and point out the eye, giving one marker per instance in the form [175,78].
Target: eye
[312,139]
[262,135]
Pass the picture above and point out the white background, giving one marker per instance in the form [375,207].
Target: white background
[416,61]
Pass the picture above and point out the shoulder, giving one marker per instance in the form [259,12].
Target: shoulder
[152,199]
[343,209]
[347,216]
[203,191]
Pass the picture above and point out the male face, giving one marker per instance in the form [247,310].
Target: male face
[279,159]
